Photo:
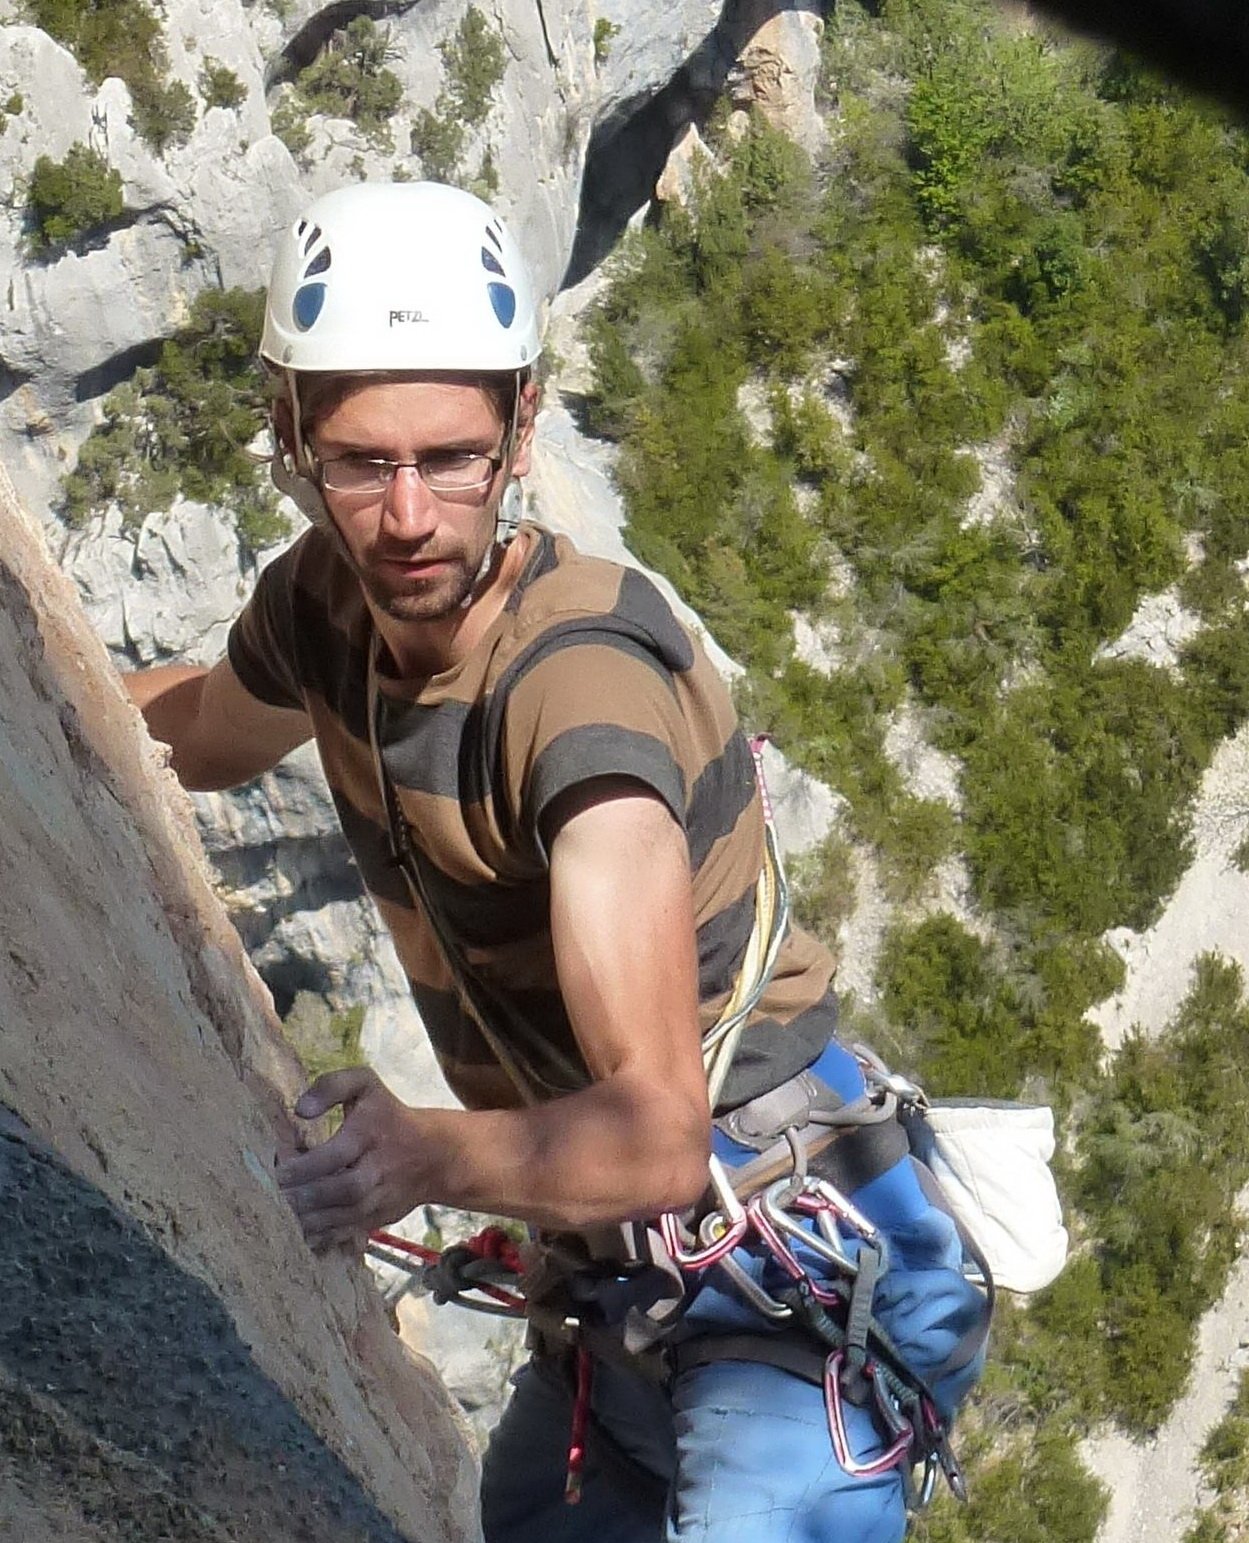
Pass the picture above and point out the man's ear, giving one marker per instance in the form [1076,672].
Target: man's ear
[526,416]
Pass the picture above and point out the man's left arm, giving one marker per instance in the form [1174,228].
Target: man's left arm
[632,1144]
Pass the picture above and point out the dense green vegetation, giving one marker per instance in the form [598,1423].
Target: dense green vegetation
[473,59]
[122,38]
[1014,251]
[183,426]
[1027,253]
[72,200]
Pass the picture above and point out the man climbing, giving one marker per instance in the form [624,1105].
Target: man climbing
[549,799]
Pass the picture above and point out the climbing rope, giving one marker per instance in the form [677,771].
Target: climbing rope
[470,1274]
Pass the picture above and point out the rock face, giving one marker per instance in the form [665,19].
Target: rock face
[777,52]
[173,1361]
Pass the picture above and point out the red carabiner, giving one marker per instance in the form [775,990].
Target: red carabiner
[892,1457]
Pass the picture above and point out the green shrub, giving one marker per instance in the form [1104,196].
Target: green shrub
[325,1041]
[69,200]
[183,425]
[289,121]
[956,1005]
[12,106]
[822,886]
[474,60]
[122,38]
[349,78]
[1077,795]
[1160,1162]
[604,31]
[1208,1528]
[107,37]
[1039,1492]
[220,86]
[437,139]
[164,113]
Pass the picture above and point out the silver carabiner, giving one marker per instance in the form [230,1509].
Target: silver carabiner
[849,1213]
[761,1300]
[830,1249]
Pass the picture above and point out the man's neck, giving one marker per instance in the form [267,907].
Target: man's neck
[420,649]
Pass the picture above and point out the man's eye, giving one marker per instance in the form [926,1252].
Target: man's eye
[443,461]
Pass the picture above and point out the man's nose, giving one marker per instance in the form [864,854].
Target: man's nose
[409,507]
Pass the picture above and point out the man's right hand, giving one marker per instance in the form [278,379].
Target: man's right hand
[367,1174]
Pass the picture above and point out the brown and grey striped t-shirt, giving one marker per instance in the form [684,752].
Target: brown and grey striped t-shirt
[586,673]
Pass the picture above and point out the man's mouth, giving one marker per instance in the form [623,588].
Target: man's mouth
[416,566]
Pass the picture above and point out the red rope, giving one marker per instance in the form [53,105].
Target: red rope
[431,1256]
[580,1424]
[406,1246]
[497,1244]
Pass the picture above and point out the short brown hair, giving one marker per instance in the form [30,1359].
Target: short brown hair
[320,392]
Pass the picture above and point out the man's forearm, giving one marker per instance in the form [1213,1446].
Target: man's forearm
[620,1150]
[614,1152]
[219,734]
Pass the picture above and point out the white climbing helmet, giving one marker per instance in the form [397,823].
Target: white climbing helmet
[400,276]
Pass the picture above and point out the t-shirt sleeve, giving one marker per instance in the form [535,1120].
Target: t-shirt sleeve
[592,709]
[261,644]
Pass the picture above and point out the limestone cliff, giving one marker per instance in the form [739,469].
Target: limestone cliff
[173,1360]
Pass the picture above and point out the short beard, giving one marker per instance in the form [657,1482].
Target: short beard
[417,607]
[420,607]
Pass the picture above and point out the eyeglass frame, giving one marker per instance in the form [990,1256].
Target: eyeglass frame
[497,462]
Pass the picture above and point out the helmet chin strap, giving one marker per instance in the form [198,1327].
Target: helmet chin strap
[510,512]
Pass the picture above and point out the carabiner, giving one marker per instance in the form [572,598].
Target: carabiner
[829,1248]
[892,1456]
[849,1213]
[908,1093]
[745,1283]
[731,1212]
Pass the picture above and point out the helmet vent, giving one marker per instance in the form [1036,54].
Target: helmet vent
[503,299]
[309,298]
[491,263]
[319,264]
[314,235]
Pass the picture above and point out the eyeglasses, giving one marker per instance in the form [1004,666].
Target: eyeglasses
[442,471]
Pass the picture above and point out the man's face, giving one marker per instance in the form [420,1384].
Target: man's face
[417,553]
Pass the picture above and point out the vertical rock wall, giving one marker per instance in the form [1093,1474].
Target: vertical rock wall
[171,1355]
